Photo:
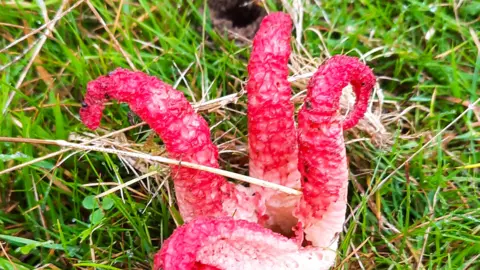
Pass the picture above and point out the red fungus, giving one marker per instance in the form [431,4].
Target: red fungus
[322,157]
[214,240]
[272,136]
[186,136]
[225,243]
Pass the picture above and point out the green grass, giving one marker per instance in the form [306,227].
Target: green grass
[430,207]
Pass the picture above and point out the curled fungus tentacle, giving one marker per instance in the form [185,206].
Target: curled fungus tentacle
[186,136]
[322,156]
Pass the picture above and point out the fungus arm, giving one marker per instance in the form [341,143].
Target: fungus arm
[322,157]
[186,136]
[271,129]
[224,243]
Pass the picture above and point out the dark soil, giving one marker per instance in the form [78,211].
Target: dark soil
[239,19]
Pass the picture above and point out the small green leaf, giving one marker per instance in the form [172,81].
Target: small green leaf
[27,248]
[107,203]
[90,202]
[97,216]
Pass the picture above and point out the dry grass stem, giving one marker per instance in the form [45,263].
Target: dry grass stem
[247,179]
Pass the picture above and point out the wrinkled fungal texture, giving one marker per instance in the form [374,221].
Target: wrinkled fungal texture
[271,128]
[322,157]
[225,243]
[186,135]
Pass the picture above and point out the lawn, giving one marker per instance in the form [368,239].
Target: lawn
[414,162]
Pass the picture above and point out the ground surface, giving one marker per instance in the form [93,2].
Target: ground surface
[421,208]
